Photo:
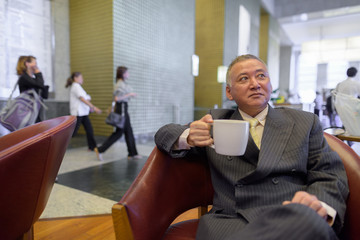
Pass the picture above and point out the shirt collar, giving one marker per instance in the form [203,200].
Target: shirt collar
[261,117]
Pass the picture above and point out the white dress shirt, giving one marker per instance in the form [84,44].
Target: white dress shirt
[350,87]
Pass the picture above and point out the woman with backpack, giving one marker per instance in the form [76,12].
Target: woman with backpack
[30,77]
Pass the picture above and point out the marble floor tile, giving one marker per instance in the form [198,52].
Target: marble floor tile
[109,180]
[87,186]
[67,202]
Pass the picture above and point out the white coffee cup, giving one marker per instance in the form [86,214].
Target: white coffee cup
[230,136]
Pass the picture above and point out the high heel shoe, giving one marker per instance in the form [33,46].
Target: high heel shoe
[98,154]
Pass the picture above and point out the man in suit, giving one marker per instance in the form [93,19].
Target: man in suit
[289,186]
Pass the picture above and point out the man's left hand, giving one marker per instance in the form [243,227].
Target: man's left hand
[309,200]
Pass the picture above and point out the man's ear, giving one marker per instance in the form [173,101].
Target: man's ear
[228,94]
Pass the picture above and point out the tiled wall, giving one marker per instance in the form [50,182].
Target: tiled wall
[209,48]
[91,53]
[232,27]
[155,40]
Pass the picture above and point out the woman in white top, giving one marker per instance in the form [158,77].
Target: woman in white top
[122,94]
[80,106]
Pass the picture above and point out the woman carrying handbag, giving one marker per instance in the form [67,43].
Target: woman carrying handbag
[122,94]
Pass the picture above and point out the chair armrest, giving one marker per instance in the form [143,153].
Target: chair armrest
[121,223]
[164,189]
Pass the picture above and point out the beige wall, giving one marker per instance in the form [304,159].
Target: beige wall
[91,53]
[264,37]
[209,46]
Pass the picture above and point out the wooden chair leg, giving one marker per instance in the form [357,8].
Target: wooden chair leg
[122,226]
[28,235]
[202,210]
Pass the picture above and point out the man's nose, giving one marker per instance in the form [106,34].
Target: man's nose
[254,83]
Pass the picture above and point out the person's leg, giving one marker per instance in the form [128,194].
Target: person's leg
[110,140]
[214,226]
[293,221]
[89,132]
[129,137]
[77,126]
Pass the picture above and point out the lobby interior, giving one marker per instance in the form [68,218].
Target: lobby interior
[160,42]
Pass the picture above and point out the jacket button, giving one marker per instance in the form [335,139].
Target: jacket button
[229,158]
[275,181]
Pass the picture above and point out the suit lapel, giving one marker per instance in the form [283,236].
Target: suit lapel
[276,134]
[277,131]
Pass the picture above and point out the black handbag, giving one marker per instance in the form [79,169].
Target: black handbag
[116,119]
[44,93]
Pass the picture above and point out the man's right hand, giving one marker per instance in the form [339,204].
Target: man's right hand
[199,135]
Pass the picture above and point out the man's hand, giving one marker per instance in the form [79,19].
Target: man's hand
[309,200]
[199,134]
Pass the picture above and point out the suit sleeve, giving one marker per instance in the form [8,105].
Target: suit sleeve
[167,136]
[326,174]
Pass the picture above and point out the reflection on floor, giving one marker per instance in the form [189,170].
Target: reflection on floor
[87,186]
[109,180]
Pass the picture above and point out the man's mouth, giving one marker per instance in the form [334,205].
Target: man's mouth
[256,95]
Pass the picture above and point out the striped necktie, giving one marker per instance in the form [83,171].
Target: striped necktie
[253,123]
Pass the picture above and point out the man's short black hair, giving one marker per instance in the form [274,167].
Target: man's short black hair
[351,72]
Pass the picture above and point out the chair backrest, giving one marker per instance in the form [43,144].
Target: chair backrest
[348,108]
[352,166]
[164,189]
[29,162]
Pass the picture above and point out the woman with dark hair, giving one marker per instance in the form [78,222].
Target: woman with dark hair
[80,106]
[122,94]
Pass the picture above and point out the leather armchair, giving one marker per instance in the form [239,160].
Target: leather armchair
[165,188]
[29,162]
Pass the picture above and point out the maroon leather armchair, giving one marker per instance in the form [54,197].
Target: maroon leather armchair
[165,188]
[29,162]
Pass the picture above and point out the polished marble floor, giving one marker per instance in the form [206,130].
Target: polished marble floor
[87,186]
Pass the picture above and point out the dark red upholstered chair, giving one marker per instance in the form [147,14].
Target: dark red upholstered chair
[30,159]
[351,162]
[167,187]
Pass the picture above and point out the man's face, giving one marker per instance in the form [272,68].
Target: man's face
[250,86]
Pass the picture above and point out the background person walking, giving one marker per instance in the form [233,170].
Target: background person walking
[80,106]
[122,94]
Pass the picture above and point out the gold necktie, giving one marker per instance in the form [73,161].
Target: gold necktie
[253,123]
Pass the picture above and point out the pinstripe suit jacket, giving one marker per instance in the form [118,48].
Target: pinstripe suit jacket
[294,157]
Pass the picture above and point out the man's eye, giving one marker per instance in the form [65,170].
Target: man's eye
[243,79]
[261,76]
